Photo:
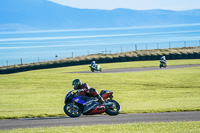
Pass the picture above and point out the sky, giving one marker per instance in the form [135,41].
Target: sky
[176,5]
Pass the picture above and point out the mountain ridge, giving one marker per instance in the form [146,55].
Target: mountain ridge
[44,14]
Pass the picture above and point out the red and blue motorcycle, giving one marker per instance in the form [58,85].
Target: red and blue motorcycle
[74,104]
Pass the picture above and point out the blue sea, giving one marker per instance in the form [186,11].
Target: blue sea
[46,45]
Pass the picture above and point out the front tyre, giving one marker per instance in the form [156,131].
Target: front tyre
[113,109]
[72,109]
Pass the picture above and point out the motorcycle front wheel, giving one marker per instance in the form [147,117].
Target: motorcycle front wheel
[113,109]
[72,109]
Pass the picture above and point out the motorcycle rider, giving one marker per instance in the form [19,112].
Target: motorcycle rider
[163,60]
[86,91]
[93,64]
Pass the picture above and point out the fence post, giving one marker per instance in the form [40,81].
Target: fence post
[169,45]
[21,62]
[136,47]
[72,54]
[184,43]
[121,49]
[146,46]
[157,46]
[7,62]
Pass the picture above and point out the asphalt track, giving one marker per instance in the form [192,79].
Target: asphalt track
[122,70]
[98,119]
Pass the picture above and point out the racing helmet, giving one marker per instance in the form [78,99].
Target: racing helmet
[76,83]
[93,62]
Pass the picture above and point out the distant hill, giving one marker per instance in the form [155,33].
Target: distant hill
[43,14]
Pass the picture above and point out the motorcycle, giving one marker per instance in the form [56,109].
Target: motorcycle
[96,68]
[163,64]
[74,104]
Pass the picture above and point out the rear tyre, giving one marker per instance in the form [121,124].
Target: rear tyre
[100,70]
[72,109]
[113,109]
[161,65]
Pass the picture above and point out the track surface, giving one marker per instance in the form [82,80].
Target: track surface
[121,70]
[99,119]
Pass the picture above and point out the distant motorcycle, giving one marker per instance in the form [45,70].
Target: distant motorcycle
[163,64]
[96,68]
[74,105]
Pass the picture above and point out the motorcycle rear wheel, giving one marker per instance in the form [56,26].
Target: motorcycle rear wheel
[72,109]
[161,65]
[114,109]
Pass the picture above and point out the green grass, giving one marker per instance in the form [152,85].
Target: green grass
[163,127]
[41,93]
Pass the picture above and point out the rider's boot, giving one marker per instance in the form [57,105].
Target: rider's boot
[101,101]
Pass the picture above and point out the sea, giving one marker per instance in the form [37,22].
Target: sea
[18,47]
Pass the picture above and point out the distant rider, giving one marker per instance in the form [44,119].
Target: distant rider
[86,91]
[163,60]
[93,64]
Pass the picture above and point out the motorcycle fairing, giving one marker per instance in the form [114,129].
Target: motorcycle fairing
[105,94]
[68,94]
[78,100]
[97,110]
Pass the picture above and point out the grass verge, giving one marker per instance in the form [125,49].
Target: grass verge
[163,127]
[41,93]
